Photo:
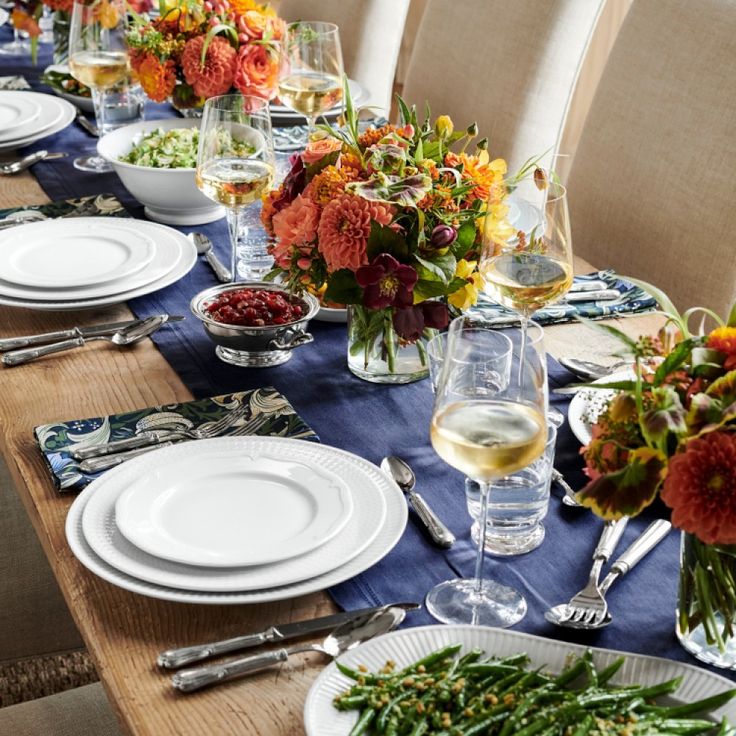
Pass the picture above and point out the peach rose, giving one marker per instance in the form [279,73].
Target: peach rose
[317,150]
[257,71]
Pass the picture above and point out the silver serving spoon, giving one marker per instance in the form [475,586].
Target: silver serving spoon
[344,637]
[406,480]
[204,248]
[121,338]
[590,371]
[569,498]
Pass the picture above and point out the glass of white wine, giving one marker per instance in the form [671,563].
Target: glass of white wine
[487,424]
[98,58]
[235,168]
[311,75]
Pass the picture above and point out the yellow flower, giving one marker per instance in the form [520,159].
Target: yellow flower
[466,295]
[443,126]
[723,339]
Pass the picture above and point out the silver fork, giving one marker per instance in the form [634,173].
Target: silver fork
[589,602]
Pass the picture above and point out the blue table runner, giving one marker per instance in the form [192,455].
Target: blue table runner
[373,421]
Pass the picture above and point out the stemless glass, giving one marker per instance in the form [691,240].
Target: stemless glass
[235,168]
[487,422]
[98,59]
[311,70]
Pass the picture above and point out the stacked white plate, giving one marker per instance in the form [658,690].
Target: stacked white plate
[85,262]
[236,520]
[282,115]
[26,117]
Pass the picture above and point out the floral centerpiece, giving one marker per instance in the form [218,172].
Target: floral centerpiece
[24,18]
[671,431]
[197,49]
[389,222]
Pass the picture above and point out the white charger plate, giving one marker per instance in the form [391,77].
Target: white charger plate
[232,509]
[389,534]
[16,111]
[64,254]
[176,255]
[321,718]
[56,115]
[587,404]
[101,532]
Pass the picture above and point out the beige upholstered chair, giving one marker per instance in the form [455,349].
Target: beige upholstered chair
[370,33]
[509,66]
[652,185]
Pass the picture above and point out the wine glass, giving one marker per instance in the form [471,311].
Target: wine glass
[310,82]
[487,422]
[20,43]
[98,59]
[235,168]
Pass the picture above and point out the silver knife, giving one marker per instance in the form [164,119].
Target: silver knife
[605,295]
[173,658]
[578,286]
[14,343]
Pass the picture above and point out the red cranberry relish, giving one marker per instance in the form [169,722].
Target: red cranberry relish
[255,308]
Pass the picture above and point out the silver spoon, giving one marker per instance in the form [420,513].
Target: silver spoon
[344,637]
[121,338]
[406,480]
[590,371]
[21,217]
[569,498]
[204,248]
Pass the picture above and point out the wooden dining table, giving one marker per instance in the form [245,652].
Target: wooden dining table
[123,631]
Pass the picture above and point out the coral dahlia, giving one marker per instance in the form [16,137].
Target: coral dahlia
[296,224]
[215,76]
[700,488]
[344,230]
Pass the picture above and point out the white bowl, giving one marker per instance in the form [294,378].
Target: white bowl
[168,195]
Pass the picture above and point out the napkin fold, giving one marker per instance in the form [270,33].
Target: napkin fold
[631,299]
[14,82]
[55,440]
[97,205]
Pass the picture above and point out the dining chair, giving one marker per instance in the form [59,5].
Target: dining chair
[651,189]
[370,35]
[82,711]
[511,67]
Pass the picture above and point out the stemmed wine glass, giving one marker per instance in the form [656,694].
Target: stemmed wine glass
[98,59]
[19,44]
[488,423]
[235,167]
[310,82]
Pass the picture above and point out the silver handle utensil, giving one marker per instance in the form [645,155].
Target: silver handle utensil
[98,464]
[204,248]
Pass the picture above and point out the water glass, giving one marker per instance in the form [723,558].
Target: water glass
[517,505]
[124,104]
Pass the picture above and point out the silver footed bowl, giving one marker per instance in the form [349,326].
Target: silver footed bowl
[255,347]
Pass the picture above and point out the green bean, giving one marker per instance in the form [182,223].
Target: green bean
[608,672]
[700,706]
[363,722]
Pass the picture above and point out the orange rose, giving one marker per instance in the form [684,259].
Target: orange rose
[317,150]
[257,71]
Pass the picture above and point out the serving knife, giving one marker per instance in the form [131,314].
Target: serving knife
[173,658]
[14,343]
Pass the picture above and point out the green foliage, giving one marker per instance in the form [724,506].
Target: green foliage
[343,288]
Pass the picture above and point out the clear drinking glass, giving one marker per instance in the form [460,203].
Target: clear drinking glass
[488,424]
[20,44]
[311,70]
[98,58]
[235,168]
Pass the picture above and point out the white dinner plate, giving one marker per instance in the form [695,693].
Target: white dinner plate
[175,257]
[55,115]
[104,537]
[81,251]
[404,647]
[388,535]
[587,404]
[16,111]
[233,510]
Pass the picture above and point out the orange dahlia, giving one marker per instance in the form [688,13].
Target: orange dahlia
[268,210]
[700,488]
[329,184]
[373,135]
[723,339]
[344,230]
[215,76]
[157,78]
[257,70]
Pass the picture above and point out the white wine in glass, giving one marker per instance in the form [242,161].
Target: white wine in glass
[235,182]
[98,58]
[311,70]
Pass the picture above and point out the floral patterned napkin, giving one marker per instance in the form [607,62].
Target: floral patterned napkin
[98,205]
[631,299]
[55,440]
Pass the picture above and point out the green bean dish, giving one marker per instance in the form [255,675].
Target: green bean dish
[446,694]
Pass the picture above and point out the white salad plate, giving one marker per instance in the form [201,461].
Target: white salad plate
[321,718]
[355,471]
[16,110]
[175,256]
[232,510]
[55,115]
[64,254]
[587,404]
[101,532]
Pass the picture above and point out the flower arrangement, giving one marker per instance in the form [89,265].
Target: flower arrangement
[389,221]
[197,49]
[24,17]
[671,431]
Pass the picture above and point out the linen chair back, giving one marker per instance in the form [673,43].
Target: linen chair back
[652,184]
[370,35]
[509,66]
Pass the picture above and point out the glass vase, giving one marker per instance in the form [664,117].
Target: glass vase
[61,36]
[706,610]
[377,354]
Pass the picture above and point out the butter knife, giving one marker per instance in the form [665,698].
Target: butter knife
[173,658]
[14,343]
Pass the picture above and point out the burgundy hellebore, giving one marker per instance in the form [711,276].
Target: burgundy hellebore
[386,283]
[410,322]
[442,236]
